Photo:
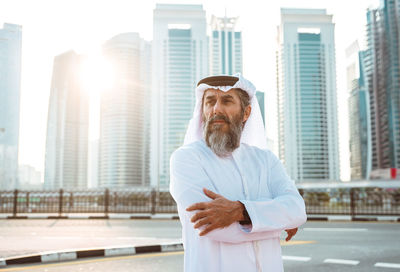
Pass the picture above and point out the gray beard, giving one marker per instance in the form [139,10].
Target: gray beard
[223,143]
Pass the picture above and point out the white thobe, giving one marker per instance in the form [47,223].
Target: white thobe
[251,175]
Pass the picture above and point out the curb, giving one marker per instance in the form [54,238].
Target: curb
[61,256]
[100,216]
[354,218]
[310,217]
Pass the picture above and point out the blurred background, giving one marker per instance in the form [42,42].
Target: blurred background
[96,95]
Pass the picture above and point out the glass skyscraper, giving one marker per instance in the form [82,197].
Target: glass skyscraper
[359,114]
[383,83]
[225,46]
[10,85]
[180,54]
[307,108]
[67,126]
[125,114]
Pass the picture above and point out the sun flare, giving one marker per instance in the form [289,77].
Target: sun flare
[97,75]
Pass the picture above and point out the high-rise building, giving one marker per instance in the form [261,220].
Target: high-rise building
[260,99]
[125,114]
[93,164]
[67,126]
[359,114]
[10,85]
[180,54]
[383,83]
[225,46]
[307,106]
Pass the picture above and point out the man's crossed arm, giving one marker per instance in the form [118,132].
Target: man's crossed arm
[220,212]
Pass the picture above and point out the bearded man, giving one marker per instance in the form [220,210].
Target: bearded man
[234,197]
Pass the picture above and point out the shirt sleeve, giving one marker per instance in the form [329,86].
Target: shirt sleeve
[187,181]
[286,208]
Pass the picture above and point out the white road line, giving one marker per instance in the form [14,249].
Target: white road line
[340,261]
[334,229]
[296,258]
[388,265]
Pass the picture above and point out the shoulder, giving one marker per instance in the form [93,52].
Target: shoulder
[265,155]
[188,152]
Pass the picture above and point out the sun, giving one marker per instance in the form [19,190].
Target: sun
[97,74]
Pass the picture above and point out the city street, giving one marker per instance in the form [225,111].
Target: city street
[318,246]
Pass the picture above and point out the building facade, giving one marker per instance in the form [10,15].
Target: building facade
[10,87]
[307,106]
[180,54]
[359,114]
[67,126]
[225,46]
[383,83]
[125,114]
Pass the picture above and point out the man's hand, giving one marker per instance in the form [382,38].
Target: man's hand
[218,213]
[290,234]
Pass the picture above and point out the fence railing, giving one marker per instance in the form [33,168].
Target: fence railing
[330,201]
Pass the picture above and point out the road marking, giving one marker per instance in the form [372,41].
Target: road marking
[340,261]
[290,243]
[388,265]
[296,258]
[95,260]
[334,229]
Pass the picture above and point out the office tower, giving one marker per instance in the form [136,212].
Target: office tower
[225,46]
[307,111]
[359,114]
[93,164]
[260,99]
[10,85]
[383,82]
[67,126]
[124,114]
[180,54]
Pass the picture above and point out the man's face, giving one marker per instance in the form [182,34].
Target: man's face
[223,119]
[219,103]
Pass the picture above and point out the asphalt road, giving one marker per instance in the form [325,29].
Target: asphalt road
[318,246]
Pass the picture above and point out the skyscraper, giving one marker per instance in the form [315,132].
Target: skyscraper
[225,46]
[383,82]
[10,85]
[180,54]
[125,114]
[260,98]
[359,114]
[307,107]
[67,126]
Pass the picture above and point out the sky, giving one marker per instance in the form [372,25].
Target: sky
[51,27]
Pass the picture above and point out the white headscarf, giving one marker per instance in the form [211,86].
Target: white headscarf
[253,132]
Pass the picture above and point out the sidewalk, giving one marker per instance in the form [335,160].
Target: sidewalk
[21,237]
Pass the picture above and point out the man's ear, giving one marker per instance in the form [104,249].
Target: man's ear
[247,112]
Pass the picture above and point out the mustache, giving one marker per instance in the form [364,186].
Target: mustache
[219,118]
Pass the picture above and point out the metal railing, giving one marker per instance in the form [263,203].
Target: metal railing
[351,201]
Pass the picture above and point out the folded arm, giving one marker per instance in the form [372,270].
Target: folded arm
[187,182]
[286,208]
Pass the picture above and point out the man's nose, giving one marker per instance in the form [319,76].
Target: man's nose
[217,108]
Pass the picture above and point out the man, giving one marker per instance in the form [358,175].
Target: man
[234,197]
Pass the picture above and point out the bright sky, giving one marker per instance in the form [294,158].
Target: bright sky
[51,27]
